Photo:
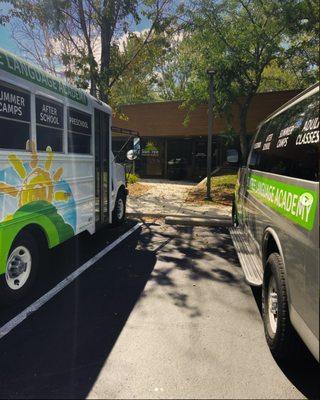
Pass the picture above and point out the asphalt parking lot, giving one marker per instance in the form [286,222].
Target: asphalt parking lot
[165,314]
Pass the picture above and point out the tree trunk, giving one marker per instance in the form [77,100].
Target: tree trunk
[105,62]
[93,85]
[107,28]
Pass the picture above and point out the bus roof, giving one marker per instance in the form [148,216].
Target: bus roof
[25,70]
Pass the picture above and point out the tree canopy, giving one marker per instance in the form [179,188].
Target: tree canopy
[252,45]
[84,38]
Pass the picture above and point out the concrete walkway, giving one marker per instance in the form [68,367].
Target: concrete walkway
[168,198]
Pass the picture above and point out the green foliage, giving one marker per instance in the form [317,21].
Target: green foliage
[88,36]
[250,45]
[132,178]
[137,83]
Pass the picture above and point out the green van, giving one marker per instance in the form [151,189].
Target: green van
[276,223]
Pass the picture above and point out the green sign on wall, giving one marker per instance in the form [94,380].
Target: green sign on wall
[22,69]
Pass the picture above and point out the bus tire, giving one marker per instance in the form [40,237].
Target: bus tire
[280,335]
[119,211]
[21,269]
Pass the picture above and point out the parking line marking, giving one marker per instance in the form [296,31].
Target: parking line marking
[5,329]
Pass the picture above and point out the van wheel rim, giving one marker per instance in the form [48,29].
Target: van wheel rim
[18,268]
[120,209]
[273,305]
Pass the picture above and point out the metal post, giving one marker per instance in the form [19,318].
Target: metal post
[210,130]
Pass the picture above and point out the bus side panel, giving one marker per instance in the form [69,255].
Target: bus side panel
[53,191]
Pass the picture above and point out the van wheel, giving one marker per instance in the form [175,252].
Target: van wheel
[21,269]
[235,221]
[280,335]
[119,212]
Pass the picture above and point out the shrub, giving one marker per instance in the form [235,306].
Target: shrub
[132,178]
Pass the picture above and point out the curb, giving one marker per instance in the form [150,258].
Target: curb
[196,221]
[183,216]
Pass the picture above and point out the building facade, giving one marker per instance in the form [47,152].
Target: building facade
[174,142]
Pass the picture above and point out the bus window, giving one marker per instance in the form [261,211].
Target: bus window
[14,117]
[49,118]
[79,132]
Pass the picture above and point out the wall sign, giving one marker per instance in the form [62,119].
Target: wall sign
[150,150]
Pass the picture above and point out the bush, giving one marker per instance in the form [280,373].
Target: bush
[132,178]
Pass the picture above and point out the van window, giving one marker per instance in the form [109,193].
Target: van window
[288,144]
[49,119]
[79,132]
[14,117]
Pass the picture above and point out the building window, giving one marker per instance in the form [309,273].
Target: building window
[14,117]
[49,119]
[79,132]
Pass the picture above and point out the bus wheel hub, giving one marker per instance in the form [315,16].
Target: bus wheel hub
[18,267]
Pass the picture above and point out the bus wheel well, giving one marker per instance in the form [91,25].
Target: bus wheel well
[37,232]
[121,190]
[270,246]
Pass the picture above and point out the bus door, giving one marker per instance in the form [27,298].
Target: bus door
[102,173]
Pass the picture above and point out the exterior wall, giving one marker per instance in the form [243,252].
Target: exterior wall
[166,118]
[183,148]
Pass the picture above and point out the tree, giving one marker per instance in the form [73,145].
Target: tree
[277,77]
[86,35]
[174,69]
[139,82]
[239,39]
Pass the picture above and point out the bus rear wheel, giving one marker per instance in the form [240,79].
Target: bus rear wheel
[235,221]
[21,269]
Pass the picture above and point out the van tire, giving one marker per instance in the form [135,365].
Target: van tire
[119,211]
[25,249]
[282,339]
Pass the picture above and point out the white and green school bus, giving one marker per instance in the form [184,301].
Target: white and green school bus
[57,171]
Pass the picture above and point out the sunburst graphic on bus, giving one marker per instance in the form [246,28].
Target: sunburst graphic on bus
[35,186]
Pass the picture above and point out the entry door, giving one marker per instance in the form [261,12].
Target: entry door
[102,173]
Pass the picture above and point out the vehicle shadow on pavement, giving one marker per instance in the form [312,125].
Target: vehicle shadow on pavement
[59,351]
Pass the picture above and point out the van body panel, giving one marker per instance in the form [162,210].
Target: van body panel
[278,194]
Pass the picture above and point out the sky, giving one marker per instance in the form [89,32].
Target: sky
[8,43]
[6,40]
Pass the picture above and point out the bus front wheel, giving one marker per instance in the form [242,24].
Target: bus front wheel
[21,269]
[119,212]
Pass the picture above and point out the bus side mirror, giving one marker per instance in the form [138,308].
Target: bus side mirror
[232,156]
[134,153]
